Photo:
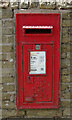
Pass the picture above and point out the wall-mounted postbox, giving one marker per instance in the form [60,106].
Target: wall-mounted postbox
[37,53]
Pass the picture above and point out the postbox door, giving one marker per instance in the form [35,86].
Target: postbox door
[37,73]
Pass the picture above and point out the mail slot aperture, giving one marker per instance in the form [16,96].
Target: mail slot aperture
[38,30]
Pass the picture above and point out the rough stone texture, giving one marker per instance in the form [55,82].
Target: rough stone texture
[65,63]
[66,23]
[8,96]
[7,64]
[24,5]
[0,13]
[8,82]
[8,72]
[65,104]
[46,5]
[8,79]
[7,13]
[65,95]
[66,112]
[67,16]
[65,78]
[8,88]
[7,56]
[7,48]
[8,31]
[7,113]
[43,113]
[8,23]
[65,87]
[14,5]
[35,3]
[4,5]
[0,63]
[8,105]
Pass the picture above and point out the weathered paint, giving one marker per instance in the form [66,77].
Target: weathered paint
[37,90]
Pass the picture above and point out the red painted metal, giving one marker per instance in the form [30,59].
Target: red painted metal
[36,91]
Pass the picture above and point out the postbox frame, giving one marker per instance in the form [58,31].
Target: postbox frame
[54,103]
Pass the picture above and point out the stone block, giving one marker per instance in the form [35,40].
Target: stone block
[0,29]
[0,80]
[66,16]
[1,48]
[8,23]
[14,5]
[65,78]
[65,48]
[65,71]
[0,56]
[65,39]
[4,39]
[66,23]
[65,95]
[66,31]
[8,113]
[1,113]
[0,64]
[65,87]
[63,55]
[70,30]
[3,56]
[8,96]
[11,113]
[5,96]
[7,48]
[8,105]
[8,79]
[4,4]
[66,112]
[8,72]
[65,63]
[68,55]
[0,13]
[8,88]
[1,87]
[68,47]
[8,56]
[7,64]
[11,39]
[20,113]
[24,5]
[7,31]
[43,113]
[34,5]
[47,5]
[0,23]
[0,94]
[7,13]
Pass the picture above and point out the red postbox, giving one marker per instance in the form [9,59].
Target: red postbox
[37,53]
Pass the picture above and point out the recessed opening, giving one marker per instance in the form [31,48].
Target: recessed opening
[37,46]
[37,31]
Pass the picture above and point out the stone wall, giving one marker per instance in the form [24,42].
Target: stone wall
[8,65]
[47,4]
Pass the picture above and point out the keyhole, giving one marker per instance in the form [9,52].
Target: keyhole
[29,77]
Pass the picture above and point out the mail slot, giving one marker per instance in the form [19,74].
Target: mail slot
[37,60]
[28,30]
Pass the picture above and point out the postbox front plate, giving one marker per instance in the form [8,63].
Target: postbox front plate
[37,53]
